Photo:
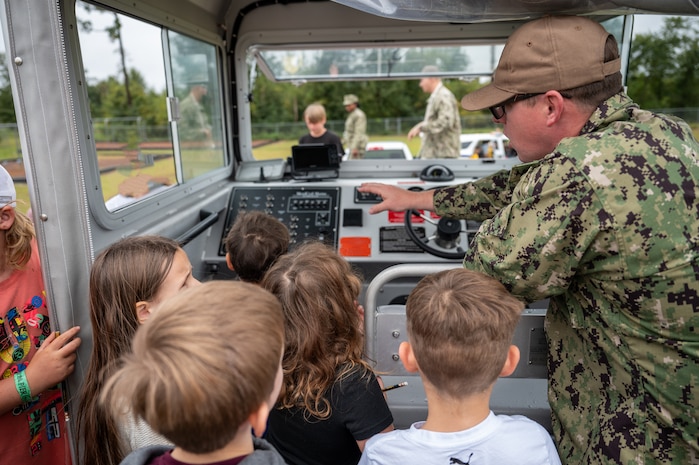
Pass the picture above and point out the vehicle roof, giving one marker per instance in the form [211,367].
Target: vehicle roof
[225,14]
[503,10]
[388,146]
[471,11]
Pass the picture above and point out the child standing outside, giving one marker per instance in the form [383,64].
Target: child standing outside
[331,401]
[33,358]
[253,243]
[460,326]
[205,394]
[315,119]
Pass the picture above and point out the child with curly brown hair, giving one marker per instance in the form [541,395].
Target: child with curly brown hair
[331,401]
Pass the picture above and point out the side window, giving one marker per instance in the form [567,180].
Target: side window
[198,104]
[149,135]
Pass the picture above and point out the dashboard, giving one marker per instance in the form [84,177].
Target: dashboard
[337,214]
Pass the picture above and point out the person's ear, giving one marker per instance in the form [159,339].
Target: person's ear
[228,261]
[555,102]
[258,419]
[143,311]
[407,357]
[511,361]
[7,217]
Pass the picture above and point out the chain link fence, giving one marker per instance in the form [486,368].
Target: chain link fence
[132,130]
[375,127]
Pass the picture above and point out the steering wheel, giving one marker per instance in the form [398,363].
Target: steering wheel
[446,241]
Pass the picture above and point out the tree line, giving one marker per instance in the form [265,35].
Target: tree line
[663,73]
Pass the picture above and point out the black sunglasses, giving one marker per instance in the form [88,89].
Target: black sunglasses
[498,111]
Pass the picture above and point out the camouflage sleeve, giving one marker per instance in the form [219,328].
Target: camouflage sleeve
[536,244]
[477,200]
[444,112]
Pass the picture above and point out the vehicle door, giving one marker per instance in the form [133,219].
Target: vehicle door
[154,160]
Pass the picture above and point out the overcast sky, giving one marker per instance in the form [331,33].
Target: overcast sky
[644,24]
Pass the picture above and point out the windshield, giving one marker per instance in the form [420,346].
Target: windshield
[301,65]
[387,80]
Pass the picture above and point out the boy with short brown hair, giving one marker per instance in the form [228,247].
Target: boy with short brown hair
[205,392]
[460,327]
[254,242]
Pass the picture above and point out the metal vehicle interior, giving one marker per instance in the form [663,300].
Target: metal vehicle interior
[229,44]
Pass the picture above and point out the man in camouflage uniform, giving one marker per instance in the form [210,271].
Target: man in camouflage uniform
[441,127]
[354,137]
[193,122]
[603,219]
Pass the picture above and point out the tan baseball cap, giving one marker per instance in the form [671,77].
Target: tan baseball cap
[349,99]
[550,53]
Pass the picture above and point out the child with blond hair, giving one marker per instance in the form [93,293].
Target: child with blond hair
[315,119]
[34,358]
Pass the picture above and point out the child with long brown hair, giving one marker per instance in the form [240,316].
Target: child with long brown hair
[331,402]
[128,280]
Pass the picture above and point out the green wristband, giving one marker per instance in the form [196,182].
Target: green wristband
[25,394]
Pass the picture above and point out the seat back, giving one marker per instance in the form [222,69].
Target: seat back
[522,393]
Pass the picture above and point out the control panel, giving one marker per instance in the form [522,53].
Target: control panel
[308,212]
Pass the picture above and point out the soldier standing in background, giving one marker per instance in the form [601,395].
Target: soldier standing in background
[441,127]
[354,137]
[194,122]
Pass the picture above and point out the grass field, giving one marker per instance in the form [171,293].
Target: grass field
[112,179]
[22,196]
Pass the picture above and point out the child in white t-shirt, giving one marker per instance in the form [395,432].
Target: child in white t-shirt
[460,327]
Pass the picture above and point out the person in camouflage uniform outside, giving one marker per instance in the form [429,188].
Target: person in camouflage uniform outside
[193,122]
[441,127]
[354,137]
[603,220]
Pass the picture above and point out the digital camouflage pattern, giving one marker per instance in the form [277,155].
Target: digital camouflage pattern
[441,127]
[355,136]
[607,227]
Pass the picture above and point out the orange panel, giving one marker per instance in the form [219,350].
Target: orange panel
[355,247]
